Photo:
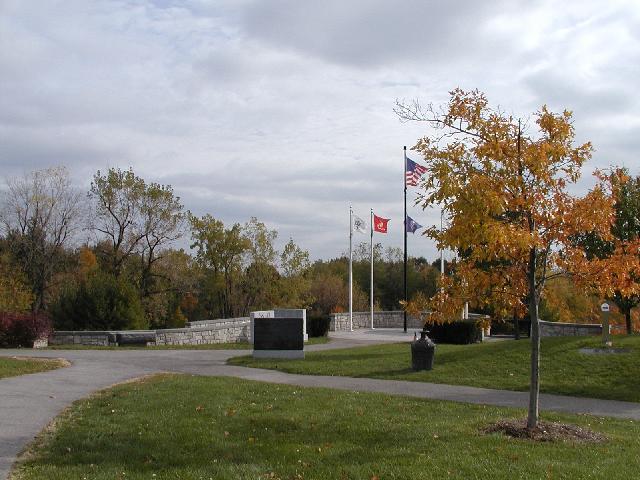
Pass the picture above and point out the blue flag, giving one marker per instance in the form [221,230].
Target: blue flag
[412,225]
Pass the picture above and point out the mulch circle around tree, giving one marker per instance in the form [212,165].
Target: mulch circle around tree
[545,431]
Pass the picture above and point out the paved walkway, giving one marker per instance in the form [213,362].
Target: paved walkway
[29,402]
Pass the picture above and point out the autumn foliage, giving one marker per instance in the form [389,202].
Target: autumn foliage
[613,269]
[505,195]
[503,185]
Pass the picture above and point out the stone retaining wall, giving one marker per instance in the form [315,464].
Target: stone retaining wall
[558,329]
[210,333]
[225,330]
[93,338]
[383,319]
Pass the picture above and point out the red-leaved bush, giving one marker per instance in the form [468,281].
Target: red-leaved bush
[22,329]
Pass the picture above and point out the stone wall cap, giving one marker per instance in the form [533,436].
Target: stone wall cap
[393,312]
[290,312]
[100,332]
[203,328]
[568,324]
[83,333]
[218,320]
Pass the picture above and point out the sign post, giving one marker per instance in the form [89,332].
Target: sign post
[604,309]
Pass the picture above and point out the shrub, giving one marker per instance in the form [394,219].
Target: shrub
[22,329]
[318,326]
[102,302]
[502,327]
[508,327]
[460,333]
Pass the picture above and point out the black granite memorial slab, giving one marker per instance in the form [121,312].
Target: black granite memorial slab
[278,334]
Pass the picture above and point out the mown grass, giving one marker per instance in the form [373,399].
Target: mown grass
[205,346]
[12,367]
[502,365]
[181,427]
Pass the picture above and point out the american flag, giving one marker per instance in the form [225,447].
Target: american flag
[413,173]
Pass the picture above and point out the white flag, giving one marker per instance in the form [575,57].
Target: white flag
[359,225]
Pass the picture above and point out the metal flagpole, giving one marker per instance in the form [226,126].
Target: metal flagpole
[441,250]
[404,174]
[441,255]
[350,269]
[371,295]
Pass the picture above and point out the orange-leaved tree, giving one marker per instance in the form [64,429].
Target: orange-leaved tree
[511,216]
[614,269]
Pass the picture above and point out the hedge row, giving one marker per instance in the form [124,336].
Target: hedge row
[318,326]
[460,333]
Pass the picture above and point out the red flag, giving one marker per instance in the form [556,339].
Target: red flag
[380,224]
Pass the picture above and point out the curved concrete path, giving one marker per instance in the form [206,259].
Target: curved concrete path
[29,402]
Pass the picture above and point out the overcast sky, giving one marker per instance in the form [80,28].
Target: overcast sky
[283,109]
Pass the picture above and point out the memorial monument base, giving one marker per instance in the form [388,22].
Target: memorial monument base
[285,354]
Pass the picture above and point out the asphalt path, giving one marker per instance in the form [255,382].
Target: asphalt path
[28,403]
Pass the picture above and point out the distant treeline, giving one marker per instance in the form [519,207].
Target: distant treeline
[106,259]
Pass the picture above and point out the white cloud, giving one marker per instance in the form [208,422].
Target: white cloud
[283,109]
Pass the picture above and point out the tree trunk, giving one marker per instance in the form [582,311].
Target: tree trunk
[38,301]
[38,293]
[534,388]
[627,318]
[516,326]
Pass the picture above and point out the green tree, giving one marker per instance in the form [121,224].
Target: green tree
[177,276]
[295,284]
[162,222]
[219,252]
[102,302]
[117,201]
[261,277]
[260,287]
[261,241]
[136,222]
[136,219]
[388,275]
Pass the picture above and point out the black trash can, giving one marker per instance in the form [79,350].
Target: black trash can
[422,352]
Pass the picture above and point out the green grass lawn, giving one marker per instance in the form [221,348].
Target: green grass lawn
[183,427]
[206,346]
[12,367]
[317,340]
[501,365]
